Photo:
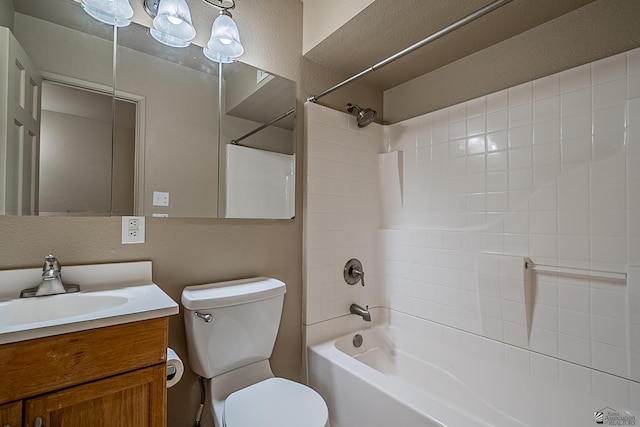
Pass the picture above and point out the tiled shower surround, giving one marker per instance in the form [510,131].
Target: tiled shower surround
[445,209]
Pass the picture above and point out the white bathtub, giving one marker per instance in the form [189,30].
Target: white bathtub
[410,372]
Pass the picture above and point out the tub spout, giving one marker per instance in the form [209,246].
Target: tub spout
[364,312]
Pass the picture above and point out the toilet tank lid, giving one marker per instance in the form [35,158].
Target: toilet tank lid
[224,294]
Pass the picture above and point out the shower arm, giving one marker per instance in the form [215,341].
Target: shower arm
[460,23]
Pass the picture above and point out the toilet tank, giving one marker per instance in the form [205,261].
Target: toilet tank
[244,320]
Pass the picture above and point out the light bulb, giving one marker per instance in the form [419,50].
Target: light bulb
[172,25]
[175,20]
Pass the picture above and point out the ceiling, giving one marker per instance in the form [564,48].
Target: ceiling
[389,26]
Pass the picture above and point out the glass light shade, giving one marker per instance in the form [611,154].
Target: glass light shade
[225,38]
[216,57]
[168,39]
[112,12]
[172,24]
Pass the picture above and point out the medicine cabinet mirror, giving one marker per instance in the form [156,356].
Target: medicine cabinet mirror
[164,132]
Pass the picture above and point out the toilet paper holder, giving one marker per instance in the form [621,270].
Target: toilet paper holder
[171,372]
[175,368]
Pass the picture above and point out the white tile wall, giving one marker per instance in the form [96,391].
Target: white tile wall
[548,170]
[251,175]
[551,174]
[341,212]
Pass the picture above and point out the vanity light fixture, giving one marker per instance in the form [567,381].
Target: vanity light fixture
[224,44]
[172,23]
[173,27]
[112,12]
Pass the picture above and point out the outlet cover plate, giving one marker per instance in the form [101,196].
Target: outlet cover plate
[132,229]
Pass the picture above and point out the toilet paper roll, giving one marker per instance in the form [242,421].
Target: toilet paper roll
[175,368]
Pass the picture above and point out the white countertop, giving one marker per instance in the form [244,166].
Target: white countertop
[111,294]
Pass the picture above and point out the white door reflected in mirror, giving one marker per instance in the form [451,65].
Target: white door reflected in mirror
[83,169]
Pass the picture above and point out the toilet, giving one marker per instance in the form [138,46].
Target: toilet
[231,328]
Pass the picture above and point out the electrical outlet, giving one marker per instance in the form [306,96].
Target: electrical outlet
[160,198]
[132,229]
[261,75]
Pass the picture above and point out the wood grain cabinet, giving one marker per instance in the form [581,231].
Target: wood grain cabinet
[107,377]
[11,414]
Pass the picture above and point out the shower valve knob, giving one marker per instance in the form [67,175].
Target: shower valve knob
[353,272]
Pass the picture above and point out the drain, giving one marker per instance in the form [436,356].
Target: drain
[357,340]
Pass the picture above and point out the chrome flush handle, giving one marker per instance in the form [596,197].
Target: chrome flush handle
[204,316]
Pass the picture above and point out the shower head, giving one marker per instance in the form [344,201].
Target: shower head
[364,117]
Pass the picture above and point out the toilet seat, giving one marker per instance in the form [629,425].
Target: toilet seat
[275,402]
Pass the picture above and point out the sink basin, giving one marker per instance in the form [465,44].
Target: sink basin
[28,318]
[111,294]
[25,311]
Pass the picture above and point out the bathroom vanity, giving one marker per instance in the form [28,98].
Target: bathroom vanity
[96,357]
[111,376]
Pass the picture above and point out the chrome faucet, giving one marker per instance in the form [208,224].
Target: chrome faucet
[364,312]
[51,281]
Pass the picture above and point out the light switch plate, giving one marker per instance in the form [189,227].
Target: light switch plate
[160,198]
[132,229]
[261,75]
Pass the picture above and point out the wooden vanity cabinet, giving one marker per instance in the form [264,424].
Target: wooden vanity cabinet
[127,400]
[11,414]
[107,377]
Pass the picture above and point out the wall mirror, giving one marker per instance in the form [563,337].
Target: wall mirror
[163,132]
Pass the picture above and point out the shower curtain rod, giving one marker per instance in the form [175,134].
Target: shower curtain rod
[462,22]
[266,125]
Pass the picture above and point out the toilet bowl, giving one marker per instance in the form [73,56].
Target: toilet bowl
[231,328]
[275,402]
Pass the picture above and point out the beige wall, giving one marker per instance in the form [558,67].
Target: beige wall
[181,132]
[69,186]
[323,17]
[6,14]
[316,79]
[55,49]
[124,147]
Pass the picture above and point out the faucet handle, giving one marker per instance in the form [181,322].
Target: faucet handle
[353,272]
[361,274]
[51,267]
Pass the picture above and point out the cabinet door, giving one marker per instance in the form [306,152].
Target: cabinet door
[11,414]
[134,399]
